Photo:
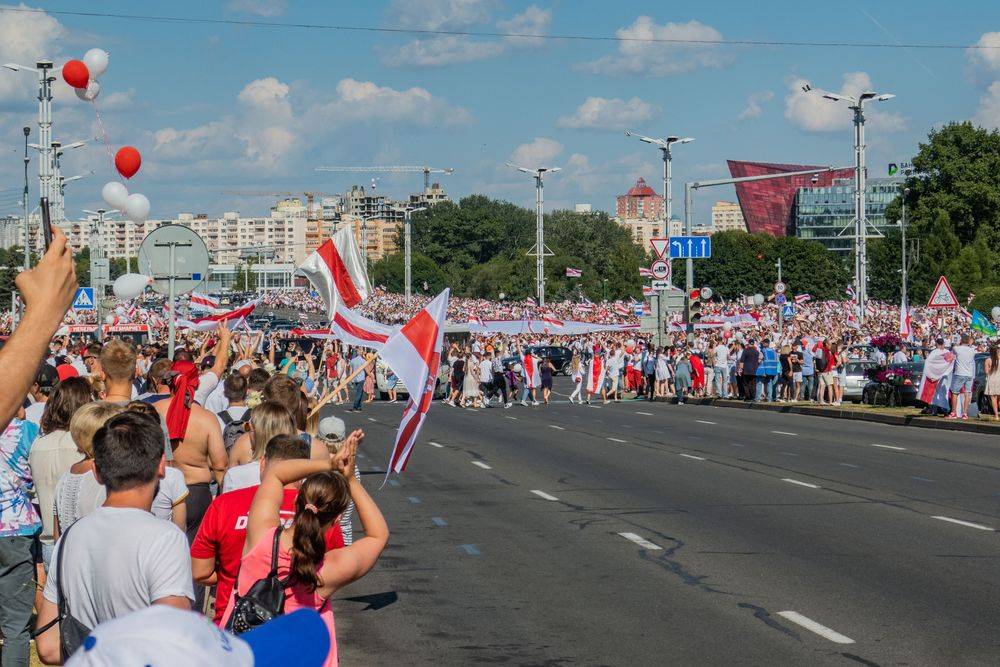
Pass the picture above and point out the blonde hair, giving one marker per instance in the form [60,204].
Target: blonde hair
[87,419]
[268,420]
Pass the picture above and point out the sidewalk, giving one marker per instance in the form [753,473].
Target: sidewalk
[905,416]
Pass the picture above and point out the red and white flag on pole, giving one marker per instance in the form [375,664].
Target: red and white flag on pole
[645,273]
[532,373]
[553,321]
[354,329]
[233,318]
[337,270]
[414,354]
[904,322]
[595,375]
[202,302]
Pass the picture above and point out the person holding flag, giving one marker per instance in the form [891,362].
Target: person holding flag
[595,375]
[532,377]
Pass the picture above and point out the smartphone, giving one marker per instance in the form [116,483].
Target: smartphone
[46,221]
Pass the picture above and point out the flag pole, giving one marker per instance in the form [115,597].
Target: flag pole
[328,396]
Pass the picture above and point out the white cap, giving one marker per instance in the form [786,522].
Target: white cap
[164,636]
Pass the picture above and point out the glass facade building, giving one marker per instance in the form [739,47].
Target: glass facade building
[826,214]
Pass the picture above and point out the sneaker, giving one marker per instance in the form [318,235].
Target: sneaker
[952,416]
[506,406]
[534,402]
[524,403]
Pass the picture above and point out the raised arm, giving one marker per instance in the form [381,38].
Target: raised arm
[222,350]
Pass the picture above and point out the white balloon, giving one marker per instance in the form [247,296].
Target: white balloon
[130,285]
[137,207]
[995,313]
[90,93]
[115,194]
[110,319]
[758,299]
[96,61]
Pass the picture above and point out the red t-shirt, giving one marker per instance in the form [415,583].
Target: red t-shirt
[223,531]
[331,366]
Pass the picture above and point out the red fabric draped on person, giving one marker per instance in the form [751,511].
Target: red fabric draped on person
[183,379]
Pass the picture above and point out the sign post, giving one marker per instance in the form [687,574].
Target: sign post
[942,297]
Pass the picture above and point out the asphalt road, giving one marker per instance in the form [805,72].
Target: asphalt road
[653,534]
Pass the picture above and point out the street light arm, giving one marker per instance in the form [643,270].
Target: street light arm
[519,168]
[764,177]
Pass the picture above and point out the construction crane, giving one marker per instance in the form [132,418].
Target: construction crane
[395,169]
[264,193]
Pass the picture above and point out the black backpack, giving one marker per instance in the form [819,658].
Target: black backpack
[265,599]
[820,361]
[234,428]
[72,632]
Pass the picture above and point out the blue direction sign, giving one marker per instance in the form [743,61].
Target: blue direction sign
[693,247]
[84,298]
[788,310]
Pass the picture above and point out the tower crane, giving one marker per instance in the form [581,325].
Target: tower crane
[395,169]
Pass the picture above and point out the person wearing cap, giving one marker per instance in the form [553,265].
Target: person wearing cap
[331,432]
[44,383]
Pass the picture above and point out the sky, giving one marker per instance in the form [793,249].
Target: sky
[215,107]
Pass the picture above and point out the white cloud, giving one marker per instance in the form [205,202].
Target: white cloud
[439,14]
[988,114]
[753,108]
[258,7]
[613,113]
[454,49]
[23,37]
[810,111]
[537,153]
[364,101]
[638,56]
[268,97]
[989,56]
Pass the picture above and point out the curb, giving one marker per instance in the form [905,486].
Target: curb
[840,413]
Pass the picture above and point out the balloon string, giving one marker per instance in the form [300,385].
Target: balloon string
[104,135]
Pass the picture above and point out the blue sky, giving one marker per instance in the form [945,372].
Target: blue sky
[221,107]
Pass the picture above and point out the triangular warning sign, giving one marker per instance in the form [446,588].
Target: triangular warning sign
[659,246]
[83,300]
[942,296]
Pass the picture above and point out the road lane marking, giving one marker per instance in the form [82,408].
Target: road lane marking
[813,626]
[922,479]
[783,433]
[481,465]
[848,465]
[789,453]
[438,521]
[892,447]
[795,481]
[560,428]
[648,414]
[692,456]
[436,444]
[542,494]
[704,421]
[372,419]
[617,440]
[508,417]
[967,524]
[646,544]
[470,549]
[473,409]
[735,444]
[414,500]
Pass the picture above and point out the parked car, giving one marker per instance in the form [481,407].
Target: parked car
[560,356]
[857,379]
[979,396]
[907,391]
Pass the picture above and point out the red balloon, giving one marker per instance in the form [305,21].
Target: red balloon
[76,74]
[127,161]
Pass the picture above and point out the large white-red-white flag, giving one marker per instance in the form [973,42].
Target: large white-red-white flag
[414,354]
[202,302]
[233,318]
[354,329]
[595,374]
[337,270]
[532,372]
[905,330]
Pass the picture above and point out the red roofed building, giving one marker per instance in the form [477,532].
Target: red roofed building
[769,206]
[640,203]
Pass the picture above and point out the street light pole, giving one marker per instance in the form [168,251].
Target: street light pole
[781,319]
[538,251]
[902,229]
[27,228]
[407,266]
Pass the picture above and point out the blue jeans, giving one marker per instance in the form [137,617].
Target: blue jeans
[526,392]
[17,597]
[721,381]
[772,388]
[359,393]
[762,388]
[808,387]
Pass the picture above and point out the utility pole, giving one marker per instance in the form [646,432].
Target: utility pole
[407,263]
[24,204]
[539,252]
[781,319]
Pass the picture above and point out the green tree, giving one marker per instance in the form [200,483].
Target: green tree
[986,300]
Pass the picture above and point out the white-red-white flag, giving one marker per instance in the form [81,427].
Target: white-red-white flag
[354,329]
[532,373]
[337,270]
[905,330]
[203,302]
[414,354]
[233,318]
[595,375]
[552,320]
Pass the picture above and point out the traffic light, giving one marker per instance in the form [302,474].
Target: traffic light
[694,306]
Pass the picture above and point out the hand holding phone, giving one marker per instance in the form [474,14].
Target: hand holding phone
[46,221]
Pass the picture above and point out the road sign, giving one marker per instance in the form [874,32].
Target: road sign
[788,310]
[84,298]
[780,287]
[780,299]
[660,269]
[661,285]
[190,258]
[693,247]
[659,247]
[943,295]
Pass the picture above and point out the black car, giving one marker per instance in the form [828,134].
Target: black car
[907,394]
[560,356]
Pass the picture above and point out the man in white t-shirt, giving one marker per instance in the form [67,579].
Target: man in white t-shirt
[962,377]
[45,382]
[120,558]
[721,370]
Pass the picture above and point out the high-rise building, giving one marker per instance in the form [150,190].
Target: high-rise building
[582,208]
[727,215]
[826,214]
[11,231]
[768,206]
[641,212]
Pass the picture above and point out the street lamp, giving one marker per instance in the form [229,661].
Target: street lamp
[46,75]
[664,146]
[857,105]
[407,266]
[27,231]
[538,251]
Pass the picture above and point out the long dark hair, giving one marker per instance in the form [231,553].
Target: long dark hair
[322,498]
[68,395]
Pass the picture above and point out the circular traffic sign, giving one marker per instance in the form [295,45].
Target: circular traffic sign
[780,299]
[706,293]
[660,269]
[779,287]
[174,250]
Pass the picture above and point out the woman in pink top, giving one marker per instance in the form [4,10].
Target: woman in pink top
[316,574]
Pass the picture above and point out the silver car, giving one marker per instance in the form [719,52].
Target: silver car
[857,378]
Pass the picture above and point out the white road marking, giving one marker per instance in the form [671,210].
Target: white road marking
[648,414]
[922,479]
[436,444]
[789,453]
[414,500]
[508,417]
[481,465]
[542,494]
[897,449]
[617,440]
[848,465]
[473,409]
[372,419]
[646,544]
[735,444]
[691,456]
[813,626]
[439,522]
[784,433]
[470,549]
[703,421]
[795,481]
[560,428]
[967,524]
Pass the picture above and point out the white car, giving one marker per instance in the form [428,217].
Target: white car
[382,381]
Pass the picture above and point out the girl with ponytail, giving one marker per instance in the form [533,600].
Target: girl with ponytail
[313,573]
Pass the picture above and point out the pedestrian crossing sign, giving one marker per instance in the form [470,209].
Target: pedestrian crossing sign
[84,299]
[788,310]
